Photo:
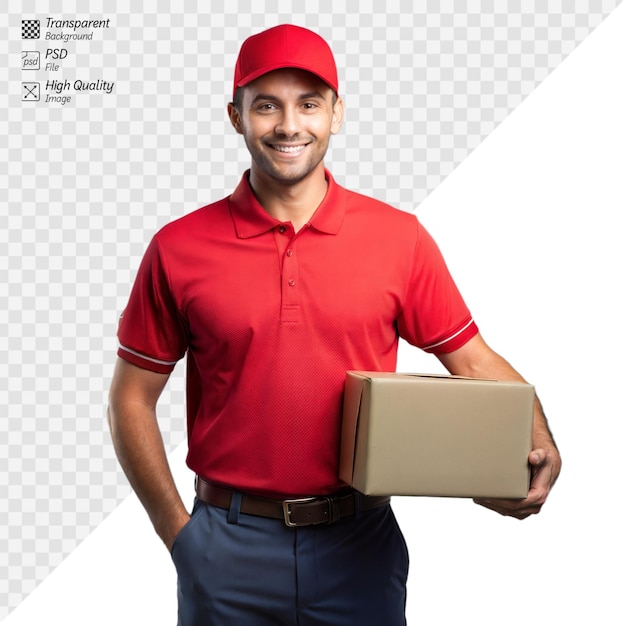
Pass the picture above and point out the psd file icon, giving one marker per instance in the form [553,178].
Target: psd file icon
[30,29]
[30,92]
[31,60]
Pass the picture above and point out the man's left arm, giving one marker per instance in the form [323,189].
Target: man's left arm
[477,360]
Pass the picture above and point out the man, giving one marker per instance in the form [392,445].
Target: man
[273,293]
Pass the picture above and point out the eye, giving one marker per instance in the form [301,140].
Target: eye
[266,106]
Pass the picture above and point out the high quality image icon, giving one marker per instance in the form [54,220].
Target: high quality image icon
[30,92]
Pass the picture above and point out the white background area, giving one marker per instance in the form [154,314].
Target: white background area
[531,224]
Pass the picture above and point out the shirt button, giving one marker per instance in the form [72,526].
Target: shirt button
[289,252]
[282,229]
[292,283]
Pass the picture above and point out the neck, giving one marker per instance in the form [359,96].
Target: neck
[290,202]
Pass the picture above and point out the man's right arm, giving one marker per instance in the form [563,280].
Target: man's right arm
[139,446]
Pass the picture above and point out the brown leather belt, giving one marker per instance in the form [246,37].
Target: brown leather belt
[294,512]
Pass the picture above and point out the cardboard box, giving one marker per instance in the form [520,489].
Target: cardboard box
[430,435]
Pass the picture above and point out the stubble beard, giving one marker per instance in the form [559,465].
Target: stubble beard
[287,175]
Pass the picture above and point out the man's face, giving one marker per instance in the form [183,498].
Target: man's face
[286,118]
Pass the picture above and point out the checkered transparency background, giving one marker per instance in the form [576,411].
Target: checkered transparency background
[84,185]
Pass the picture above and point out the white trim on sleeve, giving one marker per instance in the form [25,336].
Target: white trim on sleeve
[147,358]
[439,343]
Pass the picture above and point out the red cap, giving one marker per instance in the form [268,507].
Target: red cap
[285,46]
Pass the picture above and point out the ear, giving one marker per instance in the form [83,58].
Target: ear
[338,113]
[235,118]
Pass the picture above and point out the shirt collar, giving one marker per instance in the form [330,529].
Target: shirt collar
[251,219]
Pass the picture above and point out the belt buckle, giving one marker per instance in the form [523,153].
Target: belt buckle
[287,511]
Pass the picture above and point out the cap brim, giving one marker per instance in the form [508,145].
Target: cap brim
[246,80]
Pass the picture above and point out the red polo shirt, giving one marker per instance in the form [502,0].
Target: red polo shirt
[271,319]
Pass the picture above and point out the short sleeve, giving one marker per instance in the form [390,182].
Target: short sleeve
[152,333]
[434,316]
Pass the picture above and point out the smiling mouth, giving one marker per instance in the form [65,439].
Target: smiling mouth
[289,149]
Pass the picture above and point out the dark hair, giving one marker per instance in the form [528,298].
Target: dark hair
[238,98]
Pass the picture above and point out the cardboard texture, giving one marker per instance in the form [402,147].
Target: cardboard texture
[430,435]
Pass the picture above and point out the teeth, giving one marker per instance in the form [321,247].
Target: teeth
[288,148]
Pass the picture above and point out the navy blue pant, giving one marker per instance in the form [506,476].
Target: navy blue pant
[237,569]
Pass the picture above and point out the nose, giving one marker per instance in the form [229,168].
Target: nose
[288,124]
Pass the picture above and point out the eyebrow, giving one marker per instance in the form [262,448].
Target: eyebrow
[271,98]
